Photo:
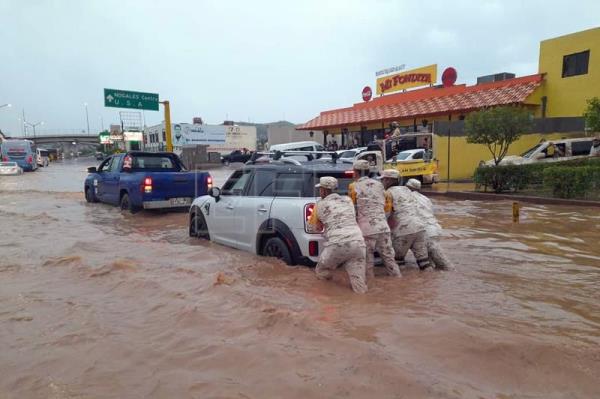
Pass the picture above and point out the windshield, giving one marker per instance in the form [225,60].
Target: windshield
[530,151]
[403,155]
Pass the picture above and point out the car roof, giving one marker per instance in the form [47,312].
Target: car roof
[294,144]
[308,166]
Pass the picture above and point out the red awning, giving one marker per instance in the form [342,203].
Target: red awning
[428,101]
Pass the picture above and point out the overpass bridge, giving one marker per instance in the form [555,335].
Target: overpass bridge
[57,139]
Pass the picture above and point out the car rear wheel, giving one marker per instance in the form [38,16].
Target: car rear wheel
[198,227]
[126,204]
[275,247]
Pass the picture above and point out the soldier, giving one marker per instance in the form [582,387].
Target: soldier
[368,196]
[344,243]
[433,230]
[408,230]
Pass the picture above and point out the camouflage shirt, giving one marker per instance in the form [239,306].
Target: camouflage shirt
[336,214]
[405,217]
[369,198]
[425,209]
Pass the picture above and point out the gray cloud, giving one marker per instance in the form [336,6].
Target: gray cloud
[262,60]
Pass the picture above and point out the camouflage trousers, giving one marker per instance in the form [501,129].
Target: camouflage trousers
[417,243]
[437,256]
[351,255]
[381,243]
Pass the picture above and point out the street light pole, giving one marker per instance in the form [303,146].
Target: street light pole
[87,118]
[102,123]
[33,125]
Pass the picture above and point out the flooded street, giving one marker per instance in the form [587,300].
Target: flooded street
[95,303]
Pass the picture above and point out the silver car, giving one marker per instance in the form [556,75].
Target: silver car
[10,168]
[264,208]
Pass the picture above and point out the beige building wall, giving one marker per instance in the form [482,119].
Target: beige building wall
[289,134]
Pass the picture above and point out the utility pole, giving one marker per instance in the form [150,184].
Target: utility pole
[87,118]
[24,123]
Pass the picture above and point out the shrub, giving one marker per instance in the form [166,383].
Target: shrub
[502,178]
[569,181]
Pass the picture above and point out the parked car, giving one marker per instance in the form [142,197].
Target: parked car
[10,168]
[264,208]
[236,156]
[148,180]
[348,155]
[298,146]
[410,155]
[42,157]
[565,149]
[23,152]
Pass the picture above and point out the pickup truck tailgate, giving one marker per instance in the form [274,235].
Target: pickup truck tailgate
[167,185]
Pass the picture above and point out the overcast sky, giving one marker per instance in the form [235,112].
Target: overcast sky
[252,60]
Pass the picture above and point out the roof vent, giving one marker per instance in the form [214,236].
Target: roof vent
[497,77]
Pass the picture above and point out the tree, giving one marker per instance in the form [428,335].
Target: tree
[497,128]
[592,114]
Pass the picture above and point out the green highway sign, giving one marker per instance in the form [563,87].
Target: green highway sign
[130,99]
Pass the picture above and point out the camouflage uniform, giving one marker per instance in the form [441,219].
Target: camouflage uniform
[344,244]
[408,230]
[369,198]
[432,231]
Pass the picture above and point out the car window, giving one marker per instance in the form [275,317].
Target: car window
[262,184]
[581,147]
[347,154]
[344,180]
[105,166]
[418,155]
[289,185]
[114,166]
[309,148]
[402,156]
[154,162]
[320,148]
[236,183]
[530,151]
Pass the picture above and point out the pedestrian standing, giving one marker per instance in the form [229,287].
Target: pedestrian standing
[433,230]
[344,243]
[408,229]
[368,196]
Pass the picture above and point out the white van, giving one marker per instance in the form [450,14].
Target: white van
[298,146]
[42,157]
[565,149]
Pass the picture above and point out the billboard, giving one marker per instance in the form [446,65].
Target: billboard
[186,134]
[406,80]
[237,137]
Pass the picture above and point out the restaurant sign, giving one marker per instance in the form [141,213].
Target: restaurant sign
[406,80]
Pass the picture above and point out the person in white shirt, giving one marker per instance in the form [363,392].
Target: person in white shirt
[595,150]
[433,230]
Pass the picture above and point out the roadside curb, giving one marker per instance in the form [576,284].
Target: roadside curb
[476,196]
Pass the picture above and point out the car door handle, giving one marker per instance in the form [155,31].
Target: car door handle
[262,210]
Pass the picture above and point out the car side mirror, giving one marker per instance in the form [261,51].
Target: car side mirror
[92,169]
[215,192]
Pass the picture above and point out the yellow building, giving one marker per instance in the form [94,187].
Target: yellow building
[571,68]
[569,74]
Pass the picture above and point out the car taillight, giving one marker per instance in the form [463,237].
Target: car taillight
[147,185]
[349,173]
[5,158]
[29,159]
[313,248]
[308,211]
[209,182]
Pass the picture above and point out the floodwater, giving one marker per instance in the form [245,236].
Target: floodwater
[99,304]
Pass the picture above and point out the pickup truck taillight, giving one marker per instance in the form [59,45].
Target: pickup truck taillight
[5,158]
[308,211]
[209,182]
[147,185]
[29,159]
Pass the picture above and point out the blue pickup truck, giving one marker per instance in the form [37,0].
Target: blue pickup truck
[145,180]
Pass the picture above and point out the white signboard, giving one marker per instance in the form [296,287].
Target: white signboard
[186,134]
[237,138]
[132,136]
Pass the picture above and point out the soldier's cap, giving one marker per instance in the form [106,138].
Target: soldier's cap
[414,184]
[328,182]
[390,173]
[361,164]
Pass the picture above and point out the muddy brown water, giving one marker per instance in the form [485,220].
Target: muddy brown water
[99,304]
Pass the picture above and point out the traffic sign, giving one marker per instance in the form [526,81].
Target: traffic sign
[130,99]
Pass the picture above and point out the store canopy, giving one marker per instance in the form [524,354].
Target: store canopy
[430,101]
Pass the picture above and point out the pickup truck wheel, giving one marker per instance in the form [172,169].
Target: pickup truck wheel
[126,204]
[276,248]
[198,227]
[89,195]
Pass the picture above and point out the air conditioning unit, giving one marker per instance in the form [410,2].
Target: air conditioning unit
[497,77]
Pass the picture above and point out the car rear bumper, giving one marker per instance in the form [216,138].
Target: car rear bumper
[165,204]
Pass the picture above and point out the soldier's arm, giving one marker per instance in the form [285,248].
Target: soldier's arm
[352,193]
[389,203]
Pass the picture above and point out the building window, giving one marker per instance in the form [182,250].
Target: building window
[576,64]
